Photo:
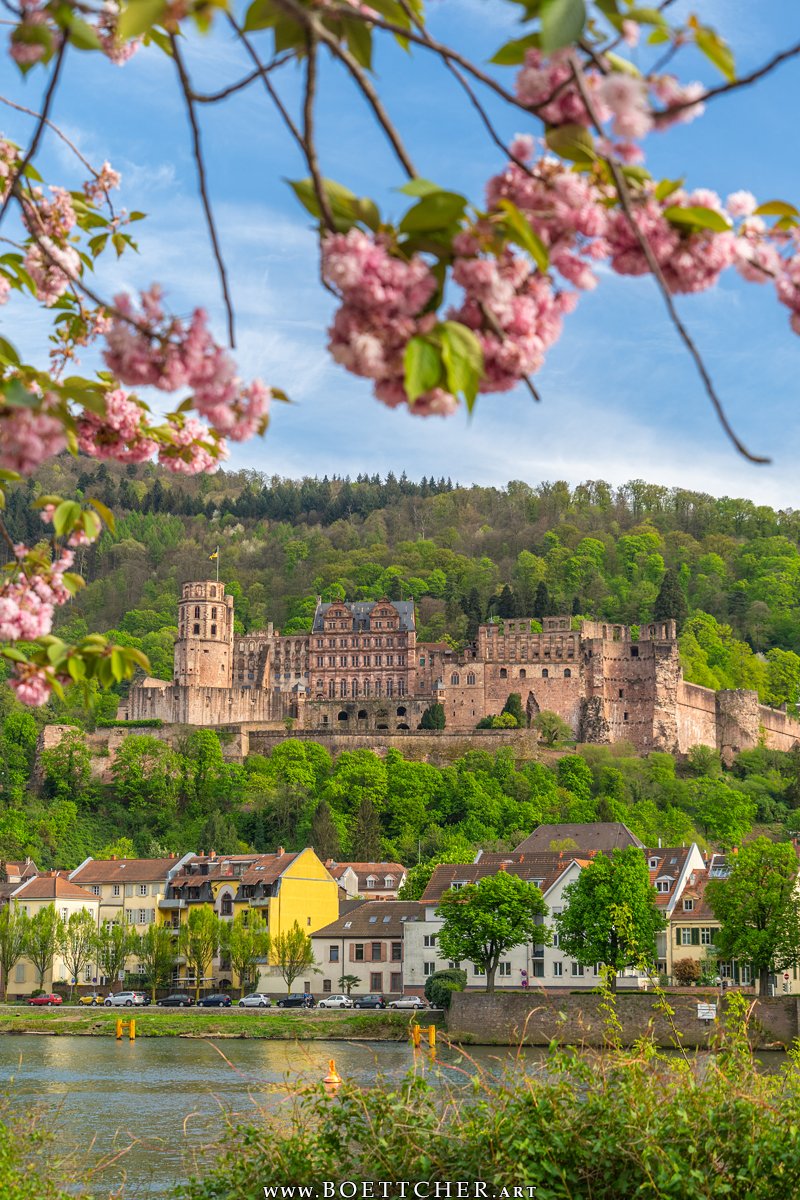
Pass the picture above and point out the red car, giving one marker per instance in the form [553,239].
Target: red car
[46,998]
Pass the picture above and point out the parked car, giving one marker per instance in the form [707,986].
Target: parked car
[126,999]
[371,1000]
[335,1002]
[409,1002]
[297,1000]
[218,1000]
[255,1000]
[176,1000]
[46,998]
[92,998]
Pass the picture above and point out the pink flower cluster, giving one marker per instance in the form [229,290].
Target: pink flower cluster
[121,434]
[23,52]
[116,51]
[689,262]
[9,159]
[105,180]
[31,684]
[51,267]
[27,438]
[546,84]
[149,348]
[49,218]
[191,449]
[382,301]
[28,600]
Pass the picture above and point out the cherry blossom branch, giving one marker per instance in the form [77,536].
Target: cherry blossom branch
[743,81]
[655,268]
[308,131]
[186,87]
[39,130]
[231,89]
[31,112]
[360,76]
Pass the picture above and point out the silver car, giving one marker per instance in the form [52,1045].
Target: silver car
[124,999]
[408,1002]
[255,1000]
[335,1002]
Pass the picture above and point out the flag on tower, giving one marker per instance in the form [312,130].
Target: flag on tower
[215,554]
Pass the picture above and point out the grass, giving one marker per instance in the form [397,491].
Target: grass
[289,1025]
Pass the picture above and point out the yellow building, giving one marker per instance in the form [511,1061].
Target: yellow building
[53,889]
[129,890]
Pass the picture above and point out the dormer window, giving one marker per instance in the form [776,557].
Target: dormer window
[389,881]
[653,864]
[458,885]
[688,906]
[663,885]
[371,881]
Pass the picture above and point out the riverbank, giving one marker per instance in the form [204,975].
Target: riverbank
[279,1024]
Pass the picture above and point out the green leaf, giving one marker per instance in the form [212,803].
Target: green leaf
[65,516]
[666,187]
[137,16]
[513,53]
[359,40]
[346,208]
[622,66]
[463,360]
[119,666]
[717,51]
[776,208]
[17,395]
[562,23]
[572,142]
[262,14]
[422,362]
[104,512]
[83,35]
[73,582]
[520,230]
[437,211]
[646,16]
[76,668]
[8,353]
[697,217]
[420,187]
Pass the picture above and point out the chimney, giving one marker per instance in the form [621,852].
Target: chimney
[212,854]
[280,851]
[502,867]
[113,858]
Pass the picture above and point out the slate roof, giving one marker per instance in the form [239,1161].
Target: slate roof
[361,612]
[602,836]
[267,868]
[374,918]
[542,869]
[51,887]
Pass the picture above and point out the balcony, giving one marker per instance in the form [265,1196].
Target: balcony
[171,904]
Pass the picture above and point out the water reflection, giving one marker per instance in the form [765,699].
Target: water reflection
[161,1104]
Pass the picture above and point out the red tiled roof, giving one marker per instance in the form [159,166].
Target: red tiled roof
[374,918]
[116,870]
[267,868]
[364,869]
[51,887]
[603,836]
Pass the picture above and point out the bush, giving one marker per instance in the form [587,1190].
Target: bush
[433,717]
[440,986]
[551,729]
[686,971]
[145,723]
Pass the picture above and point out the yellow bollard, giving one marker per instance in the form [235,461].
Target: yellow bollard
[432,1036]
[333,1080]
[415,1035]
[132,1030]
[119,1029]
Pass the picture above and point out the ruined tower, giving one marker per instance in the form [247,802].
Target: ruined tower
[204,649]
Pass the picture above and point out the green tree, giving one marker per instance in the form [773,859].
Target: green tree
[348,982]
[418,877]
[246,941]
[157,951]
[670,603]
[115,941]
[439,986]
[67,768]
[551,729]
[325,837]
[42,942]
[13,940]
[199,942]
[725,813]
[293,954]
[433,717]
[485,919]
[366,837]
[758,908]
[513,706]
[147,778]
[610,914]
[77,943]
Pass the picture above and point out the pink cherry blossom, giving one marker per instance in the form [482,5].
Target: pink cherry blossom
[105,181]
[31,684]
[51,267]
[191,449]
[626,98]
[27,438]
[120,435]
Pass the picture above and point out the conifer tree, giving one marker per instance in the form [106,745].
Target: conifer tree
[324,834]
[367,833]
[670,602]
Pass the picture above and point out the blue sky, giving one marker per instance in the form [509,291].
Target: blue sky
[621,399]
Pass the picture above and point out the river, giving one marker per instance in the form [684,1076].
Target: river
[160,1104]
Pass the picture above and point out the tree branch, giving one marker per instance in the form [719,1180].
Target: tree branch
[186,87]
[232,88]
[39,130]
[308,131]
[655,268]
[263,70]
[735,84]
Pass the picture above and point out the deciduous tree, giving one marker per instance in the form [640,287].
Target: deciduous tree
[293,955]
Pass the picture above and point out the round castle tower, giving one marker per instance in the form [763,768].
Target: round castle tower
[204,649]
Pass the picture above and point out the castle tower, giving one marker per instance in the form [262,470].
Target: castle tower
[204,649]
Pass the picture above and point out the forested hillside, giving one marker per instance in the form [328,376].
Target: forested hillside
[462,552]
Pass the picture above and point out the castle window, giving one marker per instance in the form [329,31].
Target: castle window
[567,673]
[401,712]
[634,651]
[503,673]
[624,716]
[523,674]
[342,716]
[454,679]
[213,630]
[470,680]
[196,611]
[195,629]
[331,689]
[401,687]
[422,660]
[389,687]
[213,592]
[213,614]
[362,714]
[545,673]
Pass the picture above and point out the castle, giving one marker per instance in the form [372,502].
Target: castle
[361,670]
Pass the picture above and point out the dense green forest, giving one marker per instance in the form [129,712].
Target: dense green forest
[463,553]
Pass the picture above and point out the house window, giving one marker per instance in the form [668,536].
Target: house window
[397,951]
[653,864]
[375,981]
[458,885]
[142,889]
[429,940]
[428,968]
[388,881]
[688,905]
[504,970]
[95,889]
[577,969]
[359,953]
[558,969]
[686,937]
[662,885]
[226,908]
[376,955]
[397,981]
[333,954]
[116,889]
[707,936]
[478,971]
[555,941]
[142,917]
[326,985]
[371,881]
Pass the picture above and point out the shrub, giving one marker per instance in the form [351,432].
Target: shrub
[686,971]
[440,986]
